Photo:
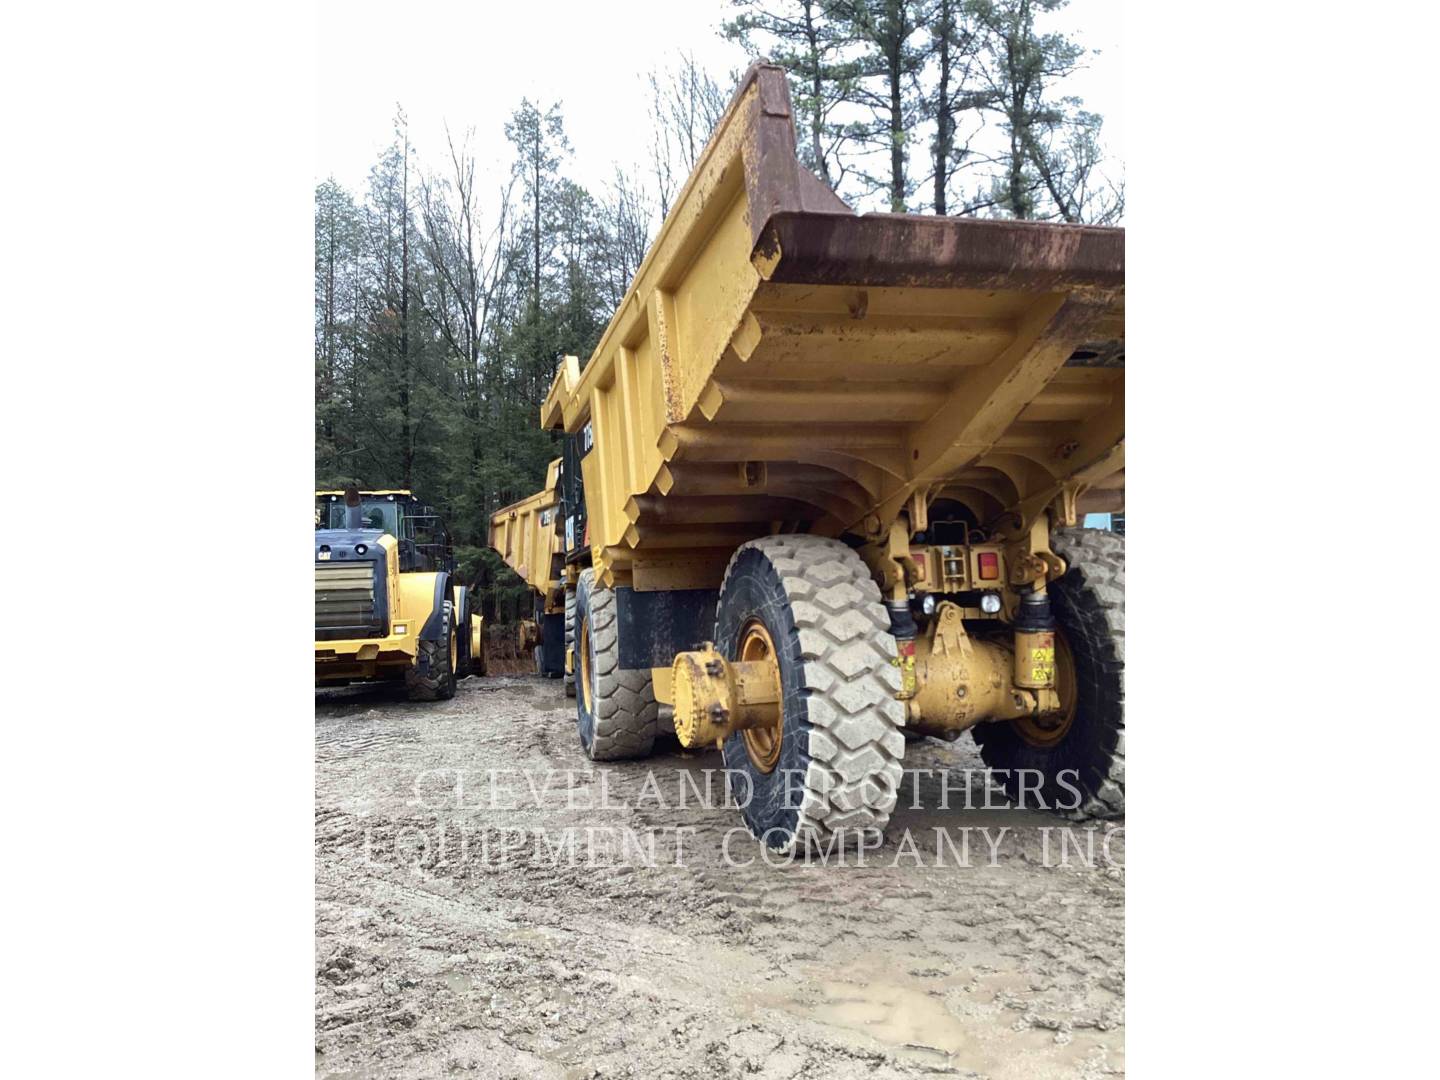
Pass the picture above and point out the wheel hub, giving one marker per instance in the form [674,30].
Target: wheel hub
[582,648]
[716,697]
[763,743]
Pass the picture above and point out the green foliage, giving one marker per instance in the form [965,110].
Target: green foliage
[436,337]
[980,81]
[813,48]
[439,325]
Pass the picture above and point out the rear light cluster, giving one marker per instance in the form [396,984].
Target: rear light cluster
[989,566]
[921,558]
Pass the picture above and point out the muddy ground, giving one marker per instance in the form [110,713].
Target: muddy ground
[514,924]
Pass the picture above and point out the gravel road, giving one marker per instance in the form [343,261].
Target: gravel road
[487,905]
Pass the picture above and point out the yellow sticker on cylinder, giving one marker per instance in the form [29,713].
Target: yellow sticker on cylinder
[1041,652]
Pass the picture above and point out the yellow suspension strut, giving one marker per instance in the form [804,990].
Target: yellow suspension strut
[1035,647]
[892,566]
[904,629]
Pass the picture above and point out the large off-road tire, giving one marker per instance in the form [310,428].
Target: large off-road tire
[1089,607]
[438,683]
[569,677]
[615,707]
[465,664]
[839,760]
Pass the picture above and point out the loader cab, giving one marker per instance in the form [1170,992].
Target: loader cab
[423,541]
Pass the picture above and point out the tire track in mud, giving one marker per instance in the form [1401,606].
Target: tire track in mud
[539,967]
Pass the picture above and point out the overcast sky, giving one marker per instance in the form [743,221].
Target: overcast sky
[469,63]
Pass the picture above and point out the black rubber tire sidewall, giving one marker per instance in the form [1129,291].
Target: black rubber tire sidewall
[463,665]
[446,689]
[438,684]
[584,719]
[1083,756]
[769,802]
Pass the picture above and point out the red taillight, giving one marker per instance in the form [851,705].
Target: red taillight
[989,566]
[922,563]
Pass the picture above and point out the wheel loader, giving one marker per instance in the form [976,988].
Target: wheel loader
[388,604]
[821,490]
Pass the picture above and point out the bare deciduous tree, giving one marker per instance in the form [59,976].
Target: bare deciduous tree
[685,105]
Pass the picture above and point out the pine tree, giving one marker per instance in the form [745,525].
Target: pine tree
[1052,153]
[338,297]
[886,85]
[800,36]
[954,47]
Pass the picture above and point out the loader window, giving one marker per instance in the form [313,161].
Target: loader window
[374,514]
[380,515]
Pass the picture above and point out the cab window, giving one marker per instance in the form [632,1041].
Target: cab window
[374,514]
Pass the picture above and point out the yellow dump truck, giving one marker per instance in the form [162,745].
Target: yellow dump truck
[388,603]
[525,535]
[820,491]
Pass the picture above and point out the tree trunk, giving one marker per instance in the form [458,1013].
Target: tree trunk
[817,113]
[535,233]
[407,443]
[944,120]
[897,137]
[328,426]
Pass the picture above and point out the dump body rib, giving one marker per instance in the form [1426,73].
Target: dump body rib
[781,363]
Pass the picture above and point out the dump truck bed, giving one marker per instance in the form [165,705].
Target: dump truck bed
[525,536]
[781,363]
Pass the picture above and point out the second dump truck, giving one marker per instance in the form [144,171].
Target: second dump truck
[525,535]
[820,488]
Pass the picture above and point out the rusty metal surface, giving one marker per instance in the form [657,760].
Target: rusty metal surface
[782,362]
[909,250]
[820,240]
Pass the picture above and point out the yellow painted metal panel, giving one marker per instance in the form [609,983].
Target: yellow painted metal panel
[782,363]
[526,533]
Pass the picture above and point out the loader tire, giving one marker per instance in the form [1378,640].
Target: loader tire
[465,663]
[438,683]
[615,708]
[1088,602]
[839,762]
[569,676]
